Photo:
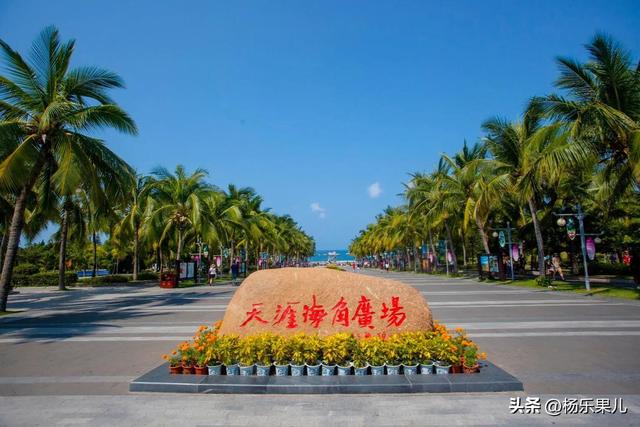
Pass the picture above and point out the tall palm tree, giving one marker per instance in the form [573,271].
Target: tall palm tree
[177,200]
[530,157]
[602,109]
[51,107]
[132,215]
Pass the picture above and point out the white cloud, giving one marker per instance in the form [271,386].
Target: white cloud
[374,190]
[317,209]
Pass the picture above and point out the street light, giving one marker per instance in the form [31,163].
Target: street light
[494,234]
[580,215]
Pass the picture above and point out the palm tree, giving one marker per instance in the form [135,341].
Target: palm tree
[132,215]
[51,106]
[602,109]
[176,202]
[531,158]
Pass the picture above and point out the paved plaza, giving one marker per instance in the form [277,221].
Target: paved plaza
[68,358]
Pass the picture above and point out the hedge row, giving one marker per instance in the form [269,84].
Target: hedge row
[110,278]
[42,279]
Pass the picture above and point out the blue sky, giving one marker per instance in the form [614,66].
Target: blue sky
[323,107]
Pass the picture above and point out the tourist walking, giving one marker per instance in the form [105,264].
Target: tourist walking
[213,273]
[235,268]
[556,267]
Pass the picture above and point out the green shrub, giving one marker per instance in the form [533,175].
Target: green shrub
[617,269]
[544,281]
[111,278]
[26,268]
[148,275]
[42,279]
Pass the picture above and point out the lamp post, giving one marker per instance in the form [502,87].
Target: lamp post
[509,243]
[580,215]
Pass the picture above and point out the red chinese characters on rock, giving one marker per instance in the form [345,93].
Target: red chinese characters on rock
[314,314]
[341,313]
[363,313]
[254,314]
[288,313]
[393,314]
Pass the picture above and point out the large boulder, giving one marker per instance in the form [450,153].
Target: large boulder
[324,301]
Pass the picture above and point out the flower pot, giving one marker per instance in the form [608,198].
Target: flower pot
[426,369]
[297,370]
[344,370]
[175,369]
[360,372]
[263,370]
[377,370]
[442,369]
[456,369]
[313,370]
[246,371]
[328,370]
[202,370]
[471,369]
[393,369]
[410,369]
[215,369]
[188,369]
[282,370]
[232,369]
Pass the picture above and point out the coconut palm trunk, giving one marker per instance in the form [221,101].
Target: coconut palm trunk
[3,246]
[15,231]
[483,236]
[136,238]
[538,233]
[62,262]
[94,272]
[454,259]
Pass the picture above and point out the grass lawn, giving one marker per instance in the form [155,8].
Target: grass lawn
[578,288]
[5,313]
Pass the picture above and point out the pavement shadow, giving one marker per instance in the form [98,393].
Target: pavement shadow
[69,308]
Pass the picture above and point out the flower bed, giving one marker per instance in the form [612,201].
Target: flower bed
[433,352]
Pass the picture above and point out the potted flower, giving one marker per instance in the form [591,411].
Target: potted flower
[297,347]
[187,356]
[263,354]
[470,364]
[312,354]
[425,357]
[359,359]
[228,353]
[375,353]
[330,355]
[393,350]
[281,349]
[202,360]
[409,352]
[444,353]
[175,363]
[214,364]
[247,359]
[345,344]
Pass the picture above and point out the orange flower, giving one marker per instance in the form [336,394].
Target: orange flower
[174,352]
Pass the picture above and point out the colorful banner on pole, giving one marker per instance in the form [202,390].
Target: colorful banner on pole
[591,248]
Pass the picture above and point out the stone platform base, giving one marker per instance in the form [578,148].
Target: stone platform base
[490,379]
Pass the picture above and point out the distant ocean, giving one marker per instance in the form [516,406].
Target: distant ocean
[323,255]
